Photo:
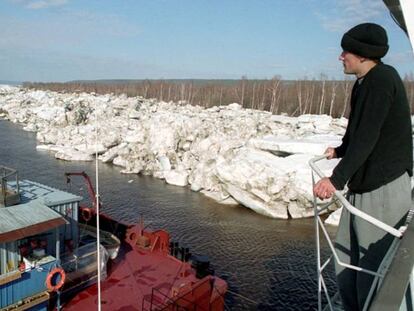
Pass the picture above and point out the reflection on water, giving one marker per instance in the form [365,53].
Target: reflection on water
[269,264]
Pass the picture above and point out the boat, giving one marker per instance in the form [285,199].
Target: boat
[109,241]
[48,257]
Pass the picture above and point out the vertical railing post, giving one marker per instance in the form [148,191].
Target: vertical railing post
[3,192]
[57,236]
[318,251]
[17,184]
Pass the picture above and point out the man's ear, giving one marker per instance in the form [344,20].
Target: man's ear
[362,59]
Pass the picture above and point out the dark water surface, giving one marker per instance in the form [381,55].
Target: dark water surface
[269,264]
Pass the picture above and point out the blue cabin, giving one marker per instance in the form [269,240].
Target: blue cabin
[38,233]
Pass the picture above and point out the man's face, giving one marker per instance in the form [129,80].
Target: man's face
[351,62]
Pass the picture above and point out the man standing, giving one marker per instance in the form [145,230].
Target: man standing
[377,160]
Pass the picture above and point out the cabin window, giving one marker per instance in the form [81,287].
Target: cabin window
[8,257]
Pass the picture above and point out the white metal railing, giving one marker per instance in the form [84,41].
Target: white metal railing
[6,174]
[397,233]
[319,226]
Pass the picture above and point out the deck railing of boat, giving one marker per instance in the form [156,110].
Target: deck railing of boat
[80,266]
[394,280]
[167,303]
[7,174]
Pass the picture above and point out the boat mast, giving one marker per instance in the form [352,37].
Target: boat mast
[407,8]
[402,11]
[98,237]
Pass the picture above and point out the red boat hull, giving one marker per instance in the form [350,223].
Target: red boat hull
[145,276]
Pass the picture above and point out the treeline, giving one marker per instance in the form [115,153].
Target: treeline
[294,98]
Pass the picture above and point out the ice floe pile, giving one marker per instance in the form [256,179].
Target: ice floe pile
[231,154]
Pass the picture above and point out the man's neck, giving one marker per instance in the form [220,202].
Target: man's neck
[365,66]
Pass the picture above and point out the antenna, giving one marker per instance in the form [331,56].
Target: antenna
[97,207]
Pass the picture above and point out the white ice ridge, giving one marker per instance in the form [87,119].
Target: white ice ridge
[231,154]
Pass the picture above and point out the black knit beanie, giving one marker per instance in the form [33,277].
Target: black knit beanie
[367,40]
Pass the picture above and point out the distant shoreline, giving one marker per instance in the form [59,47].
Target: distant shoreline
[14,83]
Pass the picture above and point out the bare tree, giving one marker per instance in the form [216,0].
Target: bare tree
[333,95]
[310,94]
[190,92]
[161,89]
[263,98]
[252,103]
[322,101]
[275,94]
[240,90]
[299,84]
[346,86]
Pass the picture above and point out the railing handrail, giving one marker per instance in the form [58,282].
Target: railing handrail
[352,209]
[174,300]
[7,171]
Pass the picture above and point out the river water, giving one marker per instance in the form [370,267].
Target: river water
[269,264]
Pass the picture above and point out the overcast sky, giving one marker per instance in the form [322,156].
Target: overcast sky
[63,40]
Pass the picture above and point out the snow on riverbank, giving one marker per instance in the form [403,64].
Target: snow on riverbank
[228,153]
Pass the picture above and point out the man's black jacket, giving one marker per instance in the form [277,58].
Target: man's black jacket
[377,147]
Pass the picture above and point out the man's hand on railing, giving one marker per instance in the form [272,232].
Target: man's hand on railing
[330,153]
[324,189]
